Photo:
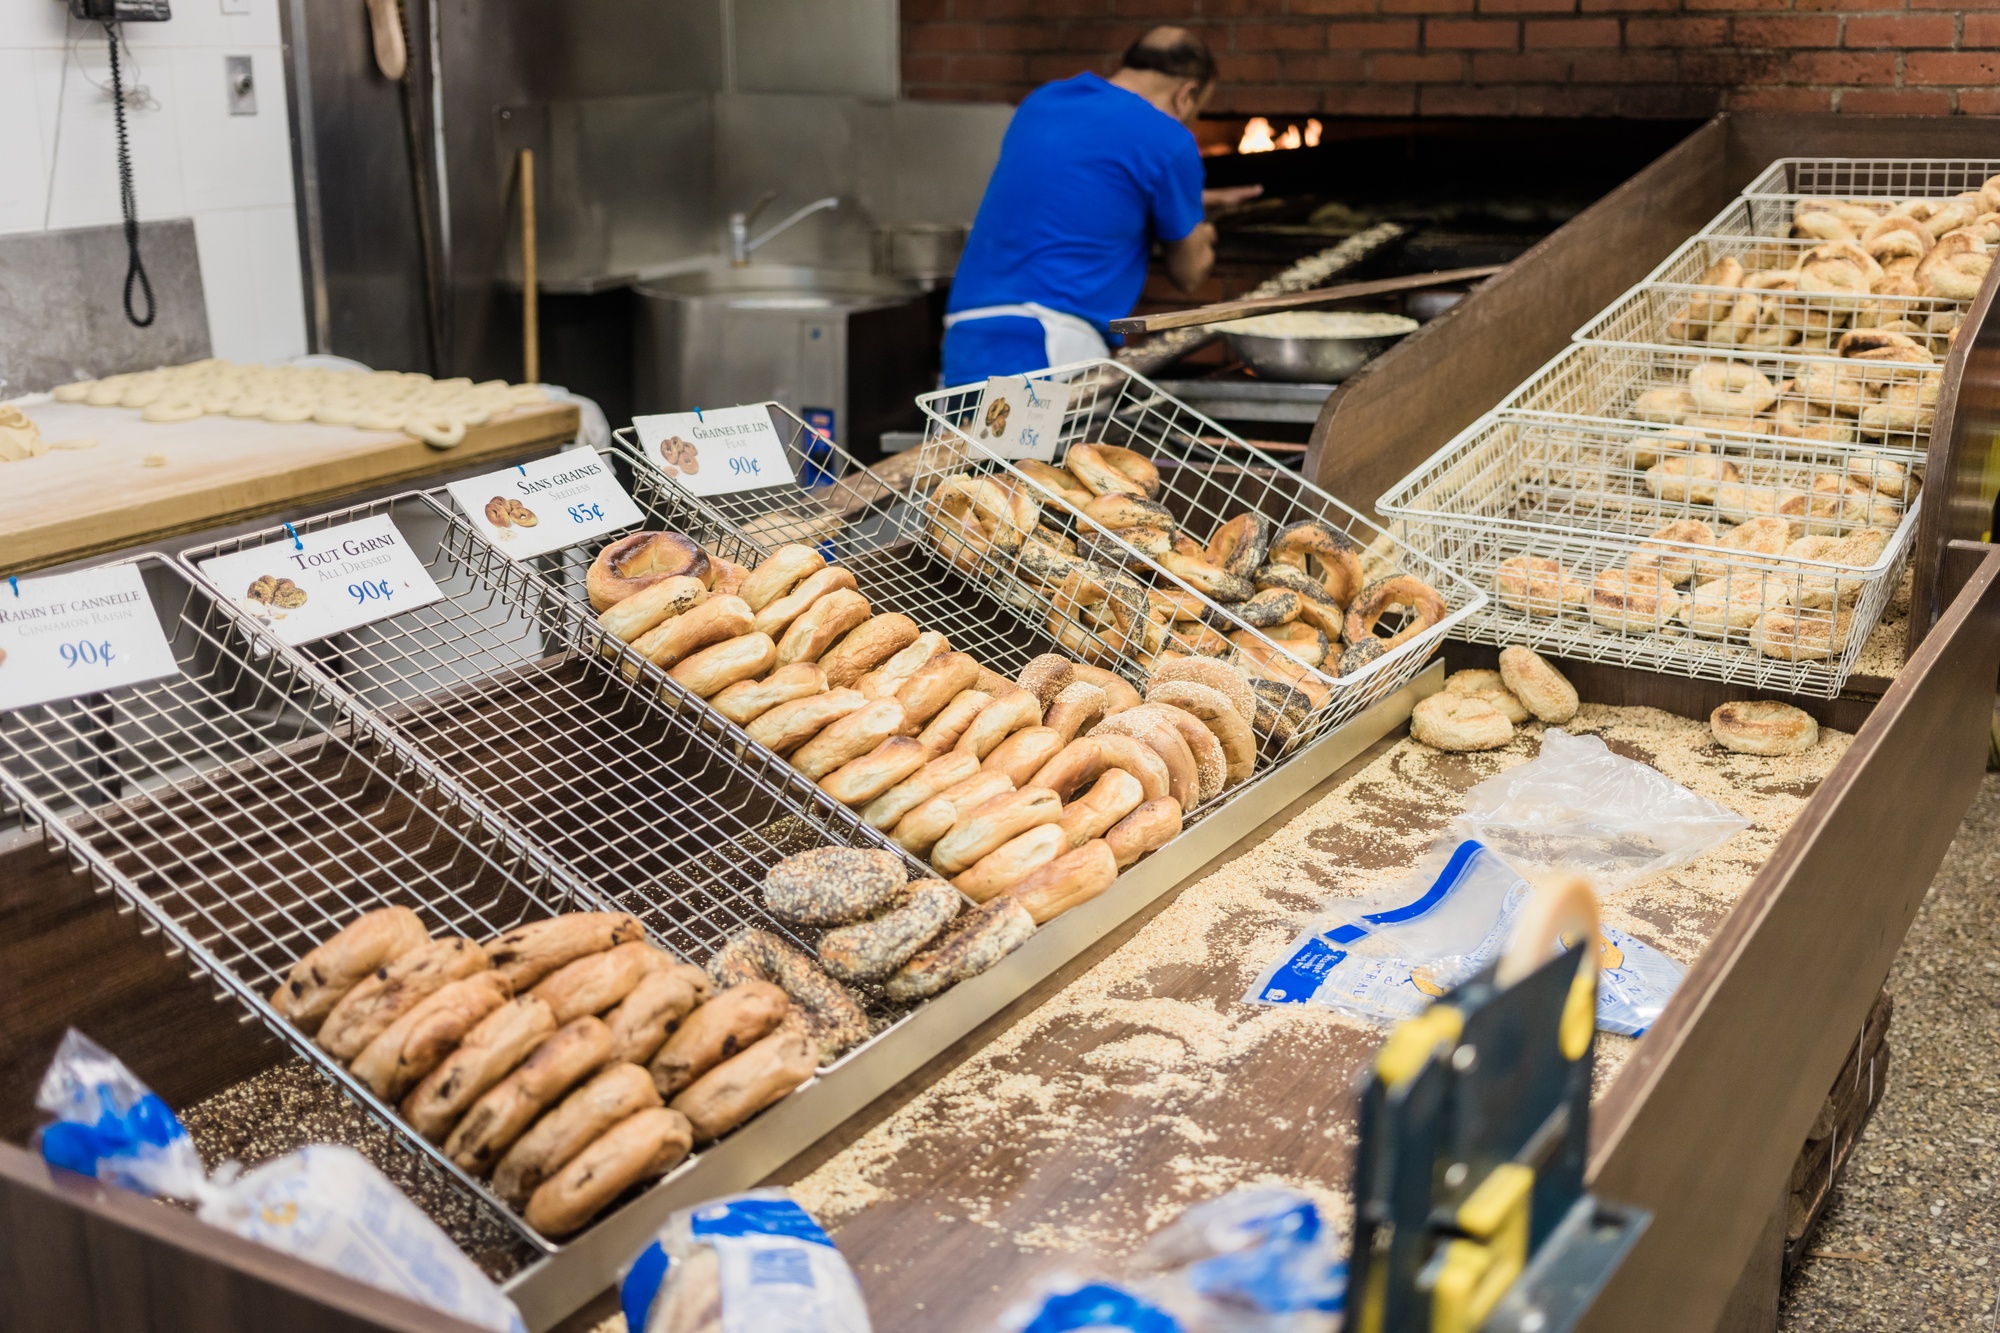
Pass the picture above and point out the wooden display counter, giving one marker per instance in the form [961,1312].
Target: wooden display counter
[1702,1121]
[69,504]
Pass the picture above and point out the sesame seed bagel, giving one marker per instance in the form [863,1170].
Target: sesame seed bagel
[832,886]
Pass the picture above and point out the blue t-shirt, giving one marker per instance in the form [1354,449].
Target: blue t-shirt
[1089,175]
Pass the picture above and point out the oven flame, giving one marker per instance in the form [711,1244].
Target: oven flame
[1258,138]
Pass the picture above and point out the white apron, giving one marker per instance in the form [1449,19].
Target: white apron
[1065,338]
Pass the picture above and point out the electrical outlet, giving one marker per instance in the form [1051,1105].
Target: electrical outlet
[242,85]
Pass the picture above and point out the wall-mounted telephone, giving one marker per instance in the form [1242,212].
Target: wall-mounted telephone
[111,13]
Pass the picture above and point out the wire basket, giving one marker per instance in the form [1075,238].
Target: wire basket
[1690,314]
[240,809]
[1883,405]
[1878,177]
[1620,585]
[1207,477]
[595,755]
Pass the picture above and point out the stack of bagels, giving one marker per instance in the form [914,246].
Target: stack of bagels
[1303,588]
[567,1059]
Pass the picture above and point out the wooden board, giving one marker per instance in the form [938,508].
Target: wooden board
[66,505]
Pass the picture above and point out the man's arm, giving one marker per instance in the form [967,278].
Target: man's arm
[1190,258]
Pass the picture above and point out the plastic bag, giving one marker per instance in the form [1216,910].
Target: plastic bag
[327,1205]
[1579,807]
[1064,1303]
[112,1127]
[1390,953]
[1255,1260]
[748,1263]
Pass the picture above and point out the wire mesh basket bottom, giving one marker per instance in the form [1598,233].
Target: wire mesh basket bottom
[1207,476]
[1592,557]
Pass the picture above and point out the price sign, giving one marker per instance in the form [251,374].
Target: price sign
[717,453]
[548,504]
[320,583]
[1019,417]
[73,634]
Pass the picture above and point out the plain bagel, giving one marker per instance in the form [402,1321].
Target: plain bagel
[1763,727]
[1458,722]
[1542,689]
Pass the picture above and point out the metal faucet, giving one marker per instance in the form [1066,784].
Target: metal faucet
[740,244]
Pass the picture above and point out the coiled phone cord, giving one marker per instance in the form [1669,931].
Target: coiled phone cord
[135,271]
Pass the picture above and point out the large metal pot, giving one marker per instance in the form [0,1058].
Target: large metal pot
[1310,357]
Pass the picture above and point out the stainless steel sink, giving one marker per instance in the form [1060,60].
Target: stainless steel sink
[845,349]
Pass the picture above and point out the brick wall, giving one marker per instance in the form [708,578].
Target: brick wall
[1490,57]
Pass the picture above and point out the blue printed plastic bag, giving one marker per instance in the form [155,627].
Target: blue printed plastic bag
[759,1256]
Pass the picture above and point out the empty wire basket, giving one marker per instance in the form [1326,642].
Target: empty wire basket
[1207,477]
[1763,563]
[1875,177]
[241,809]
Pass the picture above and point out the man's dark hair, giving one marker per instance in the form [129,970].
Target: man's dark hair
[1172,51]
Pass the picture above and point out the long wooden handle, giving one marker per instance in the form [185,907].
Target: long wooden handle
[1258,305]
[531,331]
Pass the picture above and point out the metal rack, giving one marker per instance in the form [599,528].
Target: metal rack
[1879,177]
[594,754]
[241,808]
[1518,486]
[1208,475]
[1685,313]
[1605,381]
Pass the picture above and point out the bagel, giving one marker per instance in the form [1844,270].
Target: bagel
[849,738]
[1113,796]
[1763,727]
[778,615]
[713,621]
[1730,389]
[1955,268]
[976,941]
[937,775]
[943,732]
[995,511]
[747,700]
[1337,555]
[785,569]
[1882,473]
[1022,754]
[870,950]
[1011,862]
[1632,604]
[1077,709]
[1457,722]
[787,726]
[1670,404]
[1225,678]
[918,831]
[1719,606]
[1046,676]
[1118,692]
[1211,766]
[1060,484]
[1106,468]
[1537,585]
[886,679]
[1281,711]
[1123,548]
[1375,601]
[823,623]
[635,563]
[1317,607]
[993,822]
[1269,609]
[1488,685]
[1240,544]
[1752,537]
[1147,829]
[866,646]
[1690,478]
[1661,556]
[1882,345]
[1267,662]
[715,668]
[861,780]
[1120,509]
[1542,689]
[1298,640]
[1794,635]
[1208,579]
[729,576]
[935,684]
[1000,719]
[642,611]
[1159,734]
[1220,717]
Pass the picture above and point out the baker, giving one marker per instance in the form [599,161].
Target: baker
[1092,171]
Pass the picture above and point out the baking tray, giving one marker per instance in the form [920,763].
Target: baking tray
[1520,484]
[1207,476]
[246,814]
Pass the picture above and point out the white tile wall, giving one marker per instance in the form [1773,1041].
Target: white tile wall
[190,157]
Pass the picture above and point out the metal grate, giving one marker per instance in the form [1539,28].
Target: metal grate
[593,753]
[241,810]
[1688,314]
[1576,492]
[1617,382]
[1885,177]
[1208,476]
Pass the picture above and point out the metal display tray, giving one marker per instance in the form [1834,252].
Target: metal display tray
[1208,475]
[1876,177]
[1519,485]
